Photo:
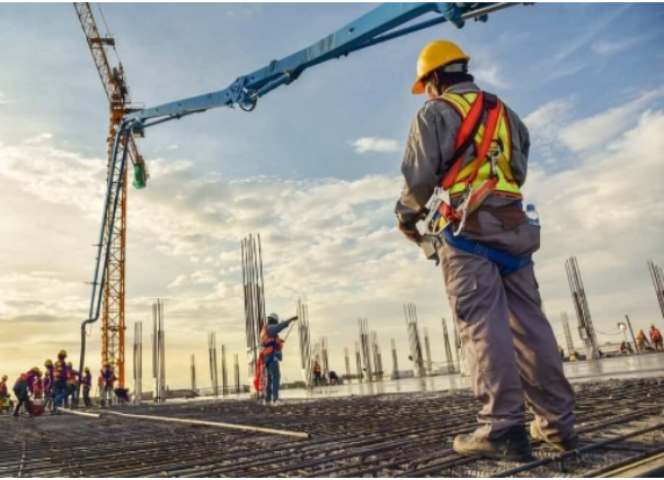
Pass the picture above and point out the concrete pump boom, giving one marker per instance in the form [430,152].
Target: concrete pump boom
[376,26]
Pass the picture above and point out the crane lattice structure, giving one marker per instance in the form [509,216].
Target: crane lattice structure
[115,227]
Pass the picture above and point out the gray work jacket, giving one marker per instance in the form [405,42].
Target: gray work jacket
[430,149]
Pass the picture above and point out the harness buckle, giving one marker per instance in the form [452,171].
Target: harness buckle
[494,153]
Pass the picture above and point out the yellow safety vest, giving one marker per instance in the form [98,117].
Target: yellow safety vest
[506,186]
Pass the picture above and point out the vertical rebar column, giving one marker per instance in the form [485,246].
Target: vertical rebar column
[224,372]
[193,373]
[395,363]
[138,362]
[448,348]
[658,282]
[214,372]
[158,351]
[155,355]
[254,296]
[414,340]
[162,352]
[568,334]
[375,351]
[305,343]
[324,360]
[586,330]
[358,362]
[427,349]
[237,373]
[366,349]
[347,363]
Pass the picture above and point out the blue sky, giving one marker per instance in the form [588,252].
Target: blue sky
[577,72]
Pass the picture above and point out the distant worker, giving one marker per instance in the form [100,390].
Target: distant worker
[49,384]
[622,349]
[60,379]
[487,268]
[122,394]
[4,395]
[561,351]
[656,337]
[318,375]
[23,387]
[106,382]
[86,383]
[334,380]
[641,341]
[271,347]
[72,383]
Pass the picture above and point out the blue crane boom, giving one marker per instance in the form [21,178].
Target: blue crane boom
[375,27]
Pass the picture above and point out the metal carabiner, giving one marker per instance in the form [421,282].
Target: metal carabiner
[463,208]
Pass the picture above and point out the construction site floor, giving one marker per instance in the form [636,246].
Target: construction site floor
[404,435]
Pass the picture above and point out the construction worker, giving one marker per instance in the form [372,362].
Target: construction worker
[60,379]
[487,268]
[106,381]
[23,387]
[122,395]
[72,381]
[622,349]
[4,395]
[334,379]
[86,382]
[656,337]
[641,341]
[561,351]
[318,380]
[271,354]
[49,384]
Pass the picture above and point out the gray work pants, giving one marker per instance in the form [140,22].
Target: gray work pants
[511,349]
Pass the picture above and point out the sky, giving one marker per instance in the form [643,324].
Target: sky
[315,169]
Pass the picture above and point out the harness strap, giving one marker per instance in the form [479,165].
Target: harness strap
[506,263]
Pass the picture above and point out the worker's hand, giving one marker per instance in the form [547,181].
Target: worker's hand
[409,229]
[292,319]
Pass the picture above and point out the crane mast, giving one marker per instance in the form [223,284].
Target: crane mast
[115,228]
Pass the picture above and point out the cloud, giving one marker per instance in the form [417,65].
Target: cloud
[3,99]
[244,10]
[603,127]
[375,144]
[611,47]
[545,122]
[491,74]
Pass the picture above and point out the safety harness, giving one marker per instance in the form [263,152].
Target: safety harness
[461,183]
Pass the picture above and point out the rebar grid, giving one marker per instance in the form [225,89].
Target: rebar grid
[375,436]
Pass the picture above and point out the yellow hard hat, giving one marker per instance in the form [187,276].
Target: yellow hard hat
[36,369]
[107,364]
[69,364]
[48,363]
[4,378]
[434,56]
[652,325]
[86,369]
[62,353]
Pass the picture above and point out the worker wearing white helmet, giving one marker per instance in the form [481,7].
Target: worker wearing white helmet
[270,352]
[472,146]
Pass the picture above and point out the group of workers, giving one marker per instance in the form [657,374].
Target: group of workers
[642,343]
[57,386]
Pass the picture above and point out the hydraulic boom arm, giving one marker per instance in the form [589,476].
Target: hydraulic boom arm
[373,28]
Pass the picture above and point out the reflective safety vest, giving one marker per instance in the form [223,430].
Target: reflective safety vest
[60,370]
[269,345]
[317,368]
[106,378]
[655,335]
[640,335]
[470,107]
[71,376]
[3,390]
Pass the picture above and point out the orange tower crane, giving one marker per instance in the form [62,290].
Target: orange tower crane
[117,91]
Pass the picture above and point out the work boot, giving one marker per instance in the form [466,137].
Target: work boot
[513,445]
[564,446]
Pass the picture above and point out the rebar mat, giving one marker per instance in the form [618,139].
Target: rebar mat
[404,435]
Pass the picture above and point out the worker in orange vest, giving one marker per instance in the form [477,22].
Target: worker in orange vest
[270,352]
[317,374]
[641,341]
[106,382]
[656,337]
[23,387]
[467,148]
[4,394]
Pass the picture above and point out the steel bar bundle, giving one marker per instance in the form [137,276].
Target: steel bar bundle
[324,360]
[427,350]
[236,368]
[347,363]
[193,373]
[305,343]
[658,282]
[358,363]
[224,372]
[138,362]
[214,372]
[158,352]
[568,334]
[586,329]
[254,296]
[395,363]
[365,347]
[377,357]
[414,340]
[448,348]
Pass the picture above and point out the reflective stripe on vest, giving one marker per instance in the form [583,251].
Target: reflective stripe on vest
[506,185]
[269,344]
